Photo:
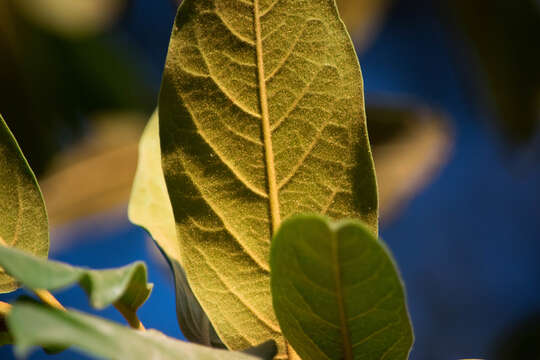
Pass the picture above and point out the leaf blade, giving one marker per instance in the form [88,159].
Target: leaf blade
[125,287]
[220,129]
[336,292]
[149,204]
[23,223]
[150,208]
[31,325]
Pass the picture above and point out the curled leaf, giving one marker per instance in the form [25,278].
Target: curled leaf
[124,287]
[150,208]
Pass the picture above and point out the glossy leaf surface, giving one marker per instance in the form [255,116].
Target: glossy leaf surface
[124,287]
[337,293]
[32,325]
[23,218]
[261,117]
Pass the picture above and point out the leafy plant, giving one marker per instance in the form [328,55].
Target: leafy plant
[261,118]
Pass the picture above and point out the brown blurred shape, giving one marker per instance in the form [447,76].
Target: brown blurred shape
[94,175]
[410,145]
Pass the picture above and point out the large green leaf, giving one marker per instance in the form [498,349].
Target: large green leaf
[23,218]
[33,325]
[337,293]
[150,208]
[261,117]
[124,287]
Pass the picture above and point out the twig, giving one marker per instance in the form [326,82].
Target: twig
[49,299]
[131,317]
[5,308]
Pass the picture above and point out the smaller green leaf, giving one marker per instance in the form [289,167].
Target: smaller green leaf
[336,291]
[37,325]
[23,218]
[125,287]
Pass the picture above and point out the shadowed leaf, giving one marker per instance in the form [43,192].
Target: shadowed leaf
[261,117]
[265,351]
[337,293]
[31,326]
[23,218]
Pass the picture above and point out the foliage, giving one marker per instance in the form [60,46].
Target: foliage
[261,117]
[23,216]
[31,325]
[253,131]
[336,291]
[126,287]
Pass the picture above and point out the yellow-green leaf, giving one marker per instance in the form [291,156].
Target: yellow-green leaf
[261,117]
[337,293]
[149,205]
[150,208]
[23,218]
[31,326]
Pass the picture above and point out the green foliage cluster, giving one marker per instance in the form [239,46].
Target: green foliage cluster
[261,119]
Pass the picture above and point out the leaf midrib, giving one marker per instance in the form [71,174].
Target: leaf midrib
[273,197]
[344,326]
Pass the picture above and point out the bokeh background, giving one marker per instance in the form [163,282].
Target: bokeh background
[453,103]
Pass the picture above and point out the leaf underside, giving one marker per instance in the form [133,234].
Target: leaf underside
[336,292]
[31,326]
[125,287]
[261,117]
[23,218]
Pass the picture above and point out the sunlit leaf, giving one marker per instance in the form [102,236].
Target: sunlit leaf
[149,205]
[23,218]
[261,117]
[150,208]
[36,325]
[337,293]
[126,288]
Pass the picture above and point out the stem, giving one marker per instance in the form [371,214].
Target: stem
[131,317]
[49,299]
[5,308]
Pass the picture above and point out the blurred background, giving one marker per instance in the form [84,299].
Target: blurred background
[453,104]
